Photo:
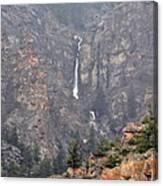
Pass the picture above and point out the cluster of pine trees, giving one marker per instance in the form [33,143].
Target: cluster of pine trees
[33,166]
[146,139]
[148,136]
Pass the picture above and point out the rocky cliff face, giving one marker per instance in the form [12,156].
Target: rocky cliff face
[140,168]
[121,161]
[115,74]
[134,166]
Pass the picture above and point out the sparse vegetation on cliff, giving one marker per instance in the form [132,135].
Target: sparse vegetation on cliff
[74,157]
[112,157]
[147,138]
[112,154]
[27,162]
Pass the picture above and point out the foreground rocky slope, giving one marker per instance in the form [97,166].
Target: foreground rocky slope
[131,158]
[39,50]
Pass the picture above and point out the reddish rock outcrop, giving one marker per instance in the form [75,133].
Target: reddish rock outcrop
[142,170]
[111,174]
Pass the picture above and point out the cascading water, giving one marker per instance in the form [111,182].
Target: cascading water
[92,115]
[76,75]
[92,123]
[75,89]
[93,119]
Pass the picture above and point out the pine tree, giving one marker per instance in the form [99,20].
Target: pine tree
[59,161]
[74,156]
[45,168]
[112,161]
[147,138]
[103,147]
[106,145]
[92,146]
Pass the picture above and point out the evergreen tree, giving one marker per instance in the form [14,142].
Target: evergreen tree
[147,138]
[36,153]
[31,165]
[92,145]
[74,156]
[112,161]
[105,145]
[59,162]
[12,137]
[45,168]
[12,170]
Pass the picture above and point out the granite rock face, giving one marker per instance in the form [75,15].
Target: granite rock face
[116,62]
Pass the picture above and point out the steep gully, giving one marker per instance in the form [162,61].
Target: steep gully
[92,115]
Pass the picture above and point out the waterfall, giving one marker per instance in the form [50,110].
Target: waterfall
[92,115]
[93,119]
[102,133]
[76,70]
[75,89]
[85,141]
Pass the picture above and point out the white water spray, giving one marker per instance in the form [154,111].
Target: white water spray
[75,89]
[76,76]
[92,115]
[93,119]
[85,141]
